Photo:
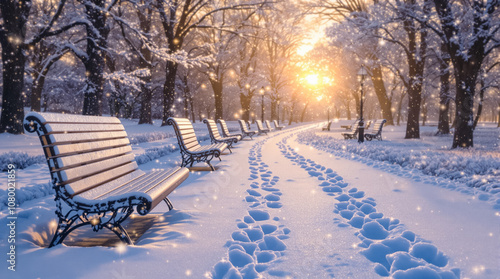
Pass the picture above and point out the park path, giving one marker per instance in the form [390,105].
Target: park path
[323,226]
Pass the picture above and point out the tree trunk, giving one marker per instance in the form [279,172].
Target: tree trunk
[12,36]
[217,86]
[444,92]
[169,91]
[245,101]
[381,92]
[94,64]
[191,104]
[480,104]
[304,112]
[464,103]
[412,125]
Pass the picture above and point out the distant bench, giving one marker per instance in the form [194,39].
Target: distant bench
[94,174]
[215,137]
[376,132]
[190,148]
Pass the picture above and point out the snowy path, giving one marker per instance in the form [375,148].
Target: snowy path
[279,208]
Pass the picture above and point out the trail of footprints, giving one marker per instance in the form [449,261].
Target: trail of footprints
[397,252]
[258,241]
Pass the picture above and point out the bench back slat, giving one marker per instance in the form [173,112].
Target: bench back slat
[243,126]
[83,151]
[223,125]
[185,133]
[212,128]
[259,125]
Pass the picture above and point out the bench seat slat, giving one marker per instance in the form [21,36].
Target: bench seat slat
[157,184]
[95,193]
[90,182]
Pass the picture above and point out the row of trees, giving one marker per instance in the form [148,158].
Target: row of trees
[425,44]
[212,58]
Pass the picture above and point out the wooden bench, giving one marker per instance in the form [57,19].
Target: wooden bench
[260,128]
[349,127]
[327,127]
[215,137]
[225,130]
[245,130]
[94,174]
[277,126]
[191,150]
[376,132]
[268,125]
[353,133]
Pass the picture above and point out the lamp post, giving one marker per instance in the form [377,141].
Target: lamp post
[361,132]
[278,111]
[261,92]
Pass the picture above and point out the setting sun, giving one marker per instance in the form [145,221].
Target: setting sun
[312,79]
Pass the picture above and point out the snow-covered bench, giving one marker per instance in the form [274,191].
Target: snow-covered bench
[261,128]
[376,132]
[268,125]
[225,130]
[215,137]
[349,127]
[277,126]
[94,174]
[327,127]
[245,130]
[353,133]
[191,150]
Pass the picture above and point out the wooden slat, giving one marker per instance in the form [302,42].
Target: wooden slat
[119,182]
[78,148]
[79,159]
[80,128]
[82,137]
[89,169]
[101,178]
[71,118]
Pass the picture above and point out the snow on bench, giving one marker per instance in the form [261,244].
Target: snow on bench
[268,125]
[353,133]
[261,128]
[245,130]
[277,126]
[327,127]
[94,174]
[376,132]
[215,137]
[191,150]
[225,130]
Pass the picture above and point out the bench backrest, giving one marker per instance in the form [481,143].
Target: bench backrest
[83,152]
[243,126]
[223,126]
[377,126]
[185,133]
[276,124]
[212,128]
[259,125]
[268,124]
[355,126]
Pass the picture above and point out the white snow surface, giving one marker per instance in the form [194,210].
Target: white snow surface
[298,203]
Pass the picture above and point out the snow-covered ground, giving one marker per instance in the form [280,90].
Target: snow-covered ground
[300,203]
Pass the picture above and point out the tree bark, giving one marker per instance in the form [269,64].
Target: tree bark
[217,86]
[94,64]
[381,92]
[12,36]
[245,101]
[444,92]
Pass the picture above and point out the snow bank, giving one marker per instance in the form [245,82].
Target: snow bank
[471,167]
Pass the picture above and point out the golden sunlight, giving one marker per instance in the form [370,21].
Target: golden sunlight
[312,79]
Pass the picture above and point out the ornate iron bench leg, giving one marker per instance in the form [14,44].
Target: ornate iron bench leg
[62,230]
[228,147]
[169,203]
[120,232]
